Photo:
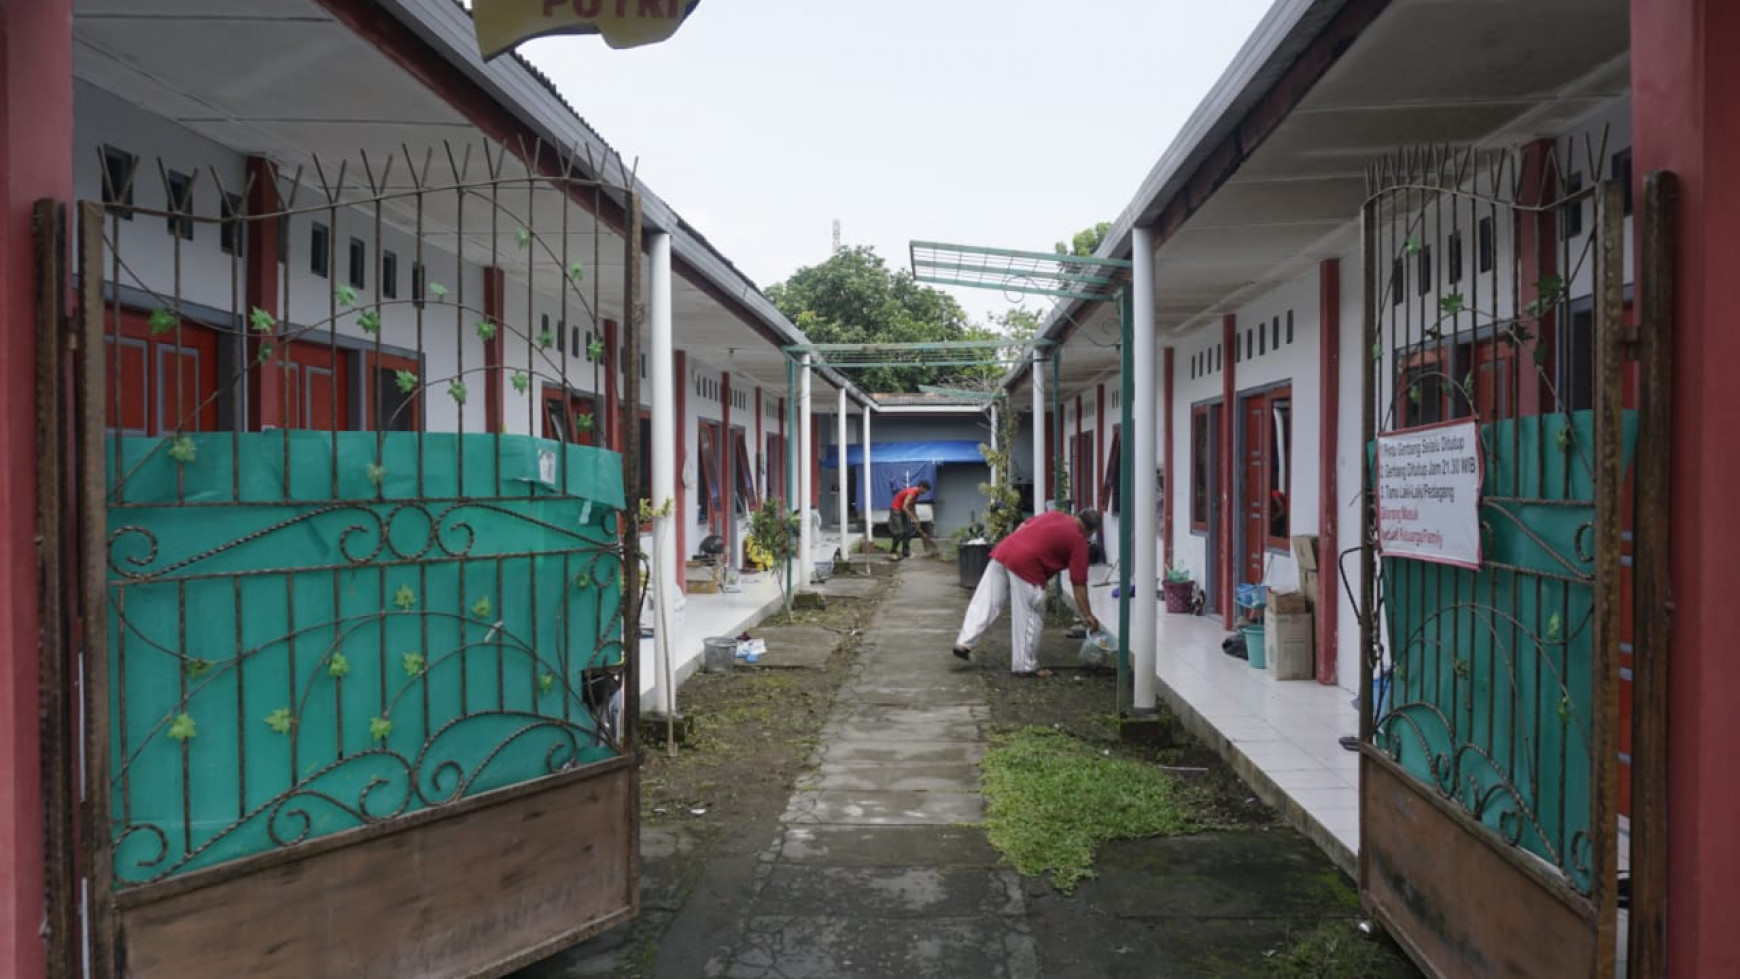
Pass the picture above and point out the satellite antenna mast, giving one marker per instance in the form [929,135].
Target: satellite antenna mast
[836,234]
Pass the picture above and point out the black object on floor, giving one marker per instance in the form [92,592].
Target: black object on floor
[1349,742]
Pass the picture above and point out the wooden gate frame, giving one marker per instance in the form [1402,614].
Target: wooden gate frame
[197,925]
[1446,887]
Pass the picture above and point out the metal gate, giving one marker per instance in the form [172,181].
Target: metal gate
[352,650]
[1498,546]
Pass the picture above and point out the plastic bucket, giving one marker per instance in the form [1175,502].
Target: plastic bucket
[1254,646]
[720,654]
[972,560]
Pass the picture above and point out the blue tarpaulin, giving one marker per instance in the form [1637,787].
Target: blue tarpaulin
[897,465]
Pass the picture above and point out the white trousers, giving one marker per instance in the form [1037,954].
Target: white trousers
[1026,614]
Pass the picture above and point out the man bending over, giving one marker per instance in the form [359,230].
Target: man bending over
[1020,566]
[903,523]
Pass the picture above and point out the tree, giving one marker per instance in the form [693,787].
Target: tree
[853,297]
[1086,241]
[1020,323]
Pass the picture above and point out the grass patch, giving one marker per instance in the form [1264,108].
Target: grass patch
[1333,950]
[1051,800]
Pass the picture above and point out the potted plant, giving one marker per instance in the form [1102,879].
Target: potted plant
[772,541]
[1179,588]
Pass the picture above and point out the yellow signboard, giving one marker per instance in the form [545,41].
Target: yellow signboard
[502,24]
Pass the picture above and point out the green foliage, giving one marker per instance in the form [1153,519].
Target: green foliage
[546,683]
[405,598]
[1051,800]
[1334,949]
[377,474]
[1002,499]
[486,330]
[523,237]
[407,381]
[196,668]
[369,320]
[338,665]
[379,728]
[595,351]
[583,421]
[261,321]
[346,296]
[481,607]
[774,536]
[162,321]
[456,391]
[577,271]
[413,663]
[182,728]
[546,338]
[1177,574]
[279,720]
[438,291]
[1086,241]
[266,351]
[183,450]
[521,381]
[854,297]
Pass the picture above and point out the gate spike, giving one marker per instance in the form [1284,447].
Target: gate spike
[288,202]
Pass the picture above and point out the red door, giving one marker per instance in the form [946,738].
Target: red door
[1254,488]
[317,386]
[161,383]
[712,471]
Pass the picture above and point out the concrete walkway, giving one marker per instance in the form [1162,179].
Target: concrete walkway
[876,869]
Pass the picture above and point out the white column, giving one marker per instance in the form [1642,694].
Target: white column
[806,514]
[1040,491]
[843,474]
[1144,575]
[662,368]
[866,504]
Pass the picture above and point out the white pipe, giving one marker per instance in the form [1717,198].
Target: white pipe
[866,504]
[1144,575]
[806,529]
[662,368]
[1040,490]
[843,474]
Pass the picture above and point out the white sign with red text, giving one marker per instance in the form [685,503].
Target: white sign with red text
[1428,494]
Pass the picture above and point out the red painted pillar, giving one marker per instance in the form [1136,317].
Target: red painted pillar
[1685,84]
[764,484]
[36,139]
[682,504]
[1229,515]
[1170,492]
[727,450]
[266,404]
[494,310]
[1328,595]
[1099,444]
[784,449]
[1077,477]
[613,417]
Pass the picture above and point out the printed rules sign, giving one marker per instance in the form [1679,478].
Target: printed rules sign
[1428,494]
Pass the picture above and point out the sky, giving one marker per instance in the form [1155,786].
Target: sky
[1005,123]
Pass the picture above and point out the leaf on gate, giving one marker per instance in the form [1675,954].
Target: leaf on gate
[437,290]
[595,350]
[183,450]
[338,666]
[1553,626]
[379,728]
[547,683]
[481,607]
[521,382]
[261,321]
[546,339]
[369,321]
[182,728]
[414,663]
[279,720]
[377,474]
[346,296]
[577,271]
[405,598]
[456,391]
[163,320]
[407,381]
[196,668]
[523,237]
[1452,303]
[486,331]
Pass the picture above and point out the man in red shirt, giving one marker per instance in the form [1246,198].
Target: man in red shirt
[1020,566]
[903,523]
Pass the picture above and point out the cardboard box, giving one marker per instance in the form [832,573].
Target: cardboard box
[1289,644]
[1305,555]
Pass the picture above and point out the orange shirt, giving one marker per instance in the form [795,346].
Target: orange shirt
[906,497]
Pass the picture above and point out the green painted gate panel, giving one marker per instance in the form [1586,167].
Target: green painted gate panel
[311,632]
[1489,696]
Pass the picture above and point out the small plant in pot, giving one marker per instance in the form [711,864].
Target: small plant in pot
[1178,588]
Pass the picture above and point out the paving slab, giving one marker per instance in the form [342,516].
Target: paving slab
[902,753]
[877,730]
[909,777]
[884,846]
[854,587]
[844,806]
[790,947]
[892,892]
[797,646]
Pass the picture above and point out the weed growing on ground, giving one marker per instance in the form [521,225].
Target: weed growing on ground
[1050,800]
[1332,950]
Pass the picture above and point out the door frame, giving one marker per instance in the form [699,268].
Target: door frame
[1237,529]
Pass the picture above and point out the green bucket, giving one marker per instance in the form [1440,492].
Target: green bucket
[1254,645]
